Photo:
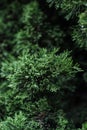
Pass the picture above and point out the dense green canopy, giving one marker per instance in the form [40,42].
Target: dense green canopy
[43,68]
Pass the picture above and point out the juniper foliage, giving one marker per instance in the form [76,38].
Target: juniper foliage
[43,68]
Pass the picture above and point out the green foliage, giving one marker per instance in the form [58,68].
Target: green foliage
[9,25]
[84,126]
[73,10]
[34,125]
[18,122]
[42,51]
[32,18]
[83,20]
[37,71]
[36,30]
[52,36]
[80,32]
[69,8]
[80,38]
